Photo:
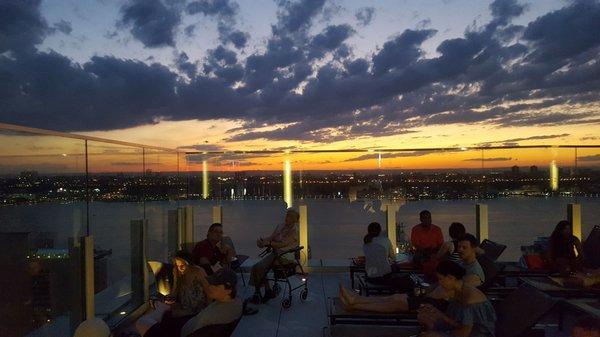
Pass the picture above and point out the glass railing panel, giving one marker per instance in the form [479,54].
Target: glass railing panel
[42,216]
[588,186]
[118,188]
[163,191]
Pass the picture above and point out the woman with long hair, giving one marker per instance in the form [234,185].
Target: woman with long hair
[565,253]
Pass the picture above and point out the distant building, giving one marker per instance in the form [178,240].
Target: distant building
[533,169]
[514,169]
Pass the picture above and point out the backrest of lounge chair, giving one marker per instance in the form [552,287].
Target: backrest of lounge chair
[492,249]
[591,248]
[521,310]
[216,330]
[490,270]
[163,276]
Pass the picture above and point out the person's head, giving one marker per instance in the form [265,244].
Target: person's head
[456,230]
[291,217]
[425,217]
[467,247]
[449,274]
[373,230]
[215,233]
[223,285]
[562,230]
[587,327]
[182,260]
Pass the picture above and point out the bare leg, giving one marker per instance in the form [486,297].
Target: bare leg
[353,298]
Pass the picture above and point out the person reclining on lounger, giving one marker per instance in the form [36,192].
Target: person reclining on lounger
[283,238]
[469,312]
[474,277]
[212,254]
[378,254]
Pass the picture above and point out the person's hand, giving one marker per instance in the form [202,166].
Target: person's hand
[430,310]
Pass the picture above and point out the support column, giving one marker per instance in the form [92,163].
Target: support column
[390,217]
[172,233]
[288,196]
[574,217]
[180,227]
[88,274]
[481,222]
[189,225]
[217,214]
[139,274]
[304,256]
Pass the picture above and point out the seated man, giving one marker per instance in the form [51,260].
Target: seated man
[226,307]
[426,238]
[212,254]
[467,249]
[474,276]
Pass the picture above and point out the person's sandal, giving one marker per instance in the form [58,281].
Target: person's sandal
[248,311]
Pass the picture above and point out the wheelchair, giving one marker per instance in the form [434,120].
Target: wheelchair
[283,272]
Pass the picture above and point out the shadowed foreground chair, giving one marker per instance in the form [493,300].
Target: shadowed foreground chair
[492,249]
[216,330]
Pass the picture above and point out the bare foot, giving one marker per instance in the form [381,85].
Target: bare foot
[347,305]
[348,296]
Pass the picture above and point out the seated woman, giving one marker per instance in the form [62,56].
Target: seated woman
[378,254]
[449,249]
[564,252]
[283,238]
[189,298]
[469,312]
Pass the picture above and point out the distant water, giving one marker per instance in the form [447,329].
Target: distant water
[336,226]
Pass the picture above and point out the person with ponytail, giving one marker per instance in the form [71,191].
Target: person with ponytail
[379,254]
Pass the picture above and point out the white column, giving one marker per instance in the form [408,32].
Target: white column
[574,217]
[390,212]
[205,192]
[217,214]
[481,222]
[304,234]
[189,224]
[287,183]
[88,258]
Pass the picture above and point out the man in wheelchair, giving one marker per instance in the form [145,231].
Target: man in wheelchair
[285,237]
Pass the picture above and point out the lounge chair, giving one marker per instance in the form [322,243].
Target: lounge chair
[492,249]
[216,330]
[591,249]
[517,314]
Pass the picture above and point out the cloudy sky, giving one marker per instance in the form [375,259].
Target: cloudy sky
[271,74]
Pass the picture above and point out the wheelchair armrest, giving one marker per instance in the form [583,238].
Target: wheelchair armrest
[291,250]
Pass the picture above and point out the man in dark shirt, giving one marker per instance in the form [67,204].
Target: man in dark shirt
[212,254]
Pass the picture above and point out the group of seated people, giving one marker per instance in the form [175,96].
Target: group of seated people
[203,293]
[454,306]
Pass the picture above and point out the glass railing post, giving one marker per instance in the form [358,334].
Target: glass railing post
[217,214]
[139,281]
[390,212]
[303,210]
[481,222]
[574,217]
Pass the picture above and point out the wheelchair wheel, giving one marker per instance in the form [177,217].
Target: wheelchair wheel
[276,289]
[286,303]
[304,294]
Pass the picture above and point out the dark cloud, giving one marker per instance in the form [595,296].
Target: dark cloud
[498,74]
[331,38]
[298,15]
[152,22]
[492,159]
[401,51]
[224,8]
[21,25]
[63,27]
[184,65]
[565,32]
[238,39]
[537,137]
[365,15]
[595,157]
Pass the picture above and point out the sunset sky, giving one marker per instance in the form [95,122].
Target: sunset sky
[212,75]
